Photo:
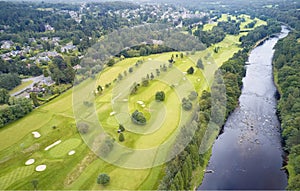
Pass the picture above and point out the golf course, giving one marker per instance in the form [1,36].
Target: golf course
[56,146]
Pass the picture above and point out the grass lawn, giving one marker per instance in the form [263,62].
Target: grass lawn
[209,26]
[21,86]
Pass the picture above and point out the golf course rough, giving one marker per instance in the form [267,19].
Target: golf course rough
[150,144]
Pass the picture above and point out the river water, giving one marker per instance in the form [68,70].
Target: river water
[248,154]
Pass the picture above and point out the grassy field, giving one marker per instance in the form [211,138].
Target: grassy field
[225,17]
[55,121]
[21,86]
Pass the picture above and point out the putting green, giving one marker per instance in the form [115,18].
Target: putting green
[63,149]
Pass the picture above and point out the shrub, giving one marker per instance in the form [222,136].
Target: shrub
[121,128]
[106,146]
[193,95]
[103,179]
[160,96]
[83,128]
[138,118]
[200,64]
[186,104]
[145,82]
[190,70]
[111,62]
[121,137]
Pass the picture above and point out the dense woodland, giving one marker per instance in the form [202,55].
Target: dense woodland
[287,74]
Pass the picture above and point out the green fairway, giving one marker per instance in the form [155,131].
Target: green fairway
[225,17]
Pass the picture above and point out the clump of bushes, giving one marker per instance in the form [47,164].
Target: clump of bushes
[186,104]
[138,118]
[160,96]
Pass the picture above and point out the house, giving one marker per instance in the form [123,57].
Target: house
[55,39]
[36,89]
[49,27]
[52,54]
[39,46]
[30,40]
[68,48]
[32,58]
[44,38]
[157,42]
[77,67]
[7,44]
[45,59]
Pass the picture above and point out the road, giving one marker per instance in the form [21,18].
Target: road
[33,79]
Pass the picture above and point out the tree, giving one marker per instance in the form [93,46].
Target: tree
[130,70]
[83,128]
[121,137]
[45,72]
[143,52]
[181,55]
[134,88]
[4,96]
[160,96]
[34,99]
[190,70]
[9,81]
[138,118]
[157,72]
[106,146]
[294,183]
[145,82]
[61,72]
[121,128]
[35,184]
[151,76]
[111,62]
[103,179]
[99,88]
[120,77]
[193,95]
[200,64]
[186,104]
[164,68]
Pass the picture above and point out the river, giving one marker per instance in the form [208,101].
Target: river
[248,154]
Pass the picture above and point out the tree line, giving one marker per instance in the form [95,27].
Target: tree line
[12,108]
[287,70]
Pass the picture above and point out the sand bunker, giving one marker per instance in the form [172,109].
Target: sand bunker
[29,162]
[72,152]
[41,168]
[36,134]
[140,102]
[112,113]
[52,145]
